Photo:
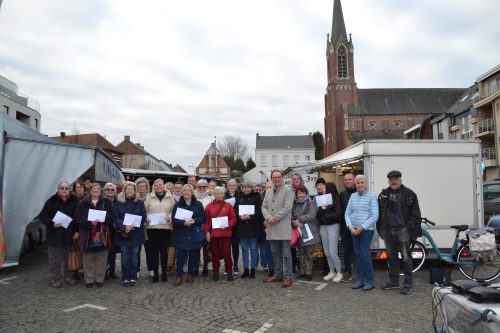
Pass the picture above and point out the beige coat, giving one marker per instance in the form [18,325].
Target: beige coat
[278,205]
[154,205]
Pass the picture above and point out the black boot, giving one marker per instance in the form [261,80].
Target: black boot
[252,273]
[155,276]
[245,273]
[164,277]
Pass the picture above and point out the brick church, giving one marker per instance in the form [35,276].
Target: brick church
[353,114]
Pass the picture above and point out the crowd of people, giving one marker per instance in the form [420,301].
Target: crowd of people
[277,228]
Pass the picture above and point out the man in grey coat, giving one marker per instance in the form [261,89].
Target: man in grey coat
[277,211]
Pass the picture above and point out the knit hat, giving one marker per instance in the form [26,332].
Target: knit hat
[320,181]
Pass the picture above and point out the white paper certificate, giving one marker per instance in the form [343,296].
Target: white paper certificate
[133,220]
[220,222]
[183,214]
[95,214]
[325,199]
[309,236]
[159,218]
[232,201]
[246,209]
[62,219]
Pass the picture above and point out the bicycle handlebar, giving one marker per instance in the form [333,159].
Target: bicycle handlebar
[427,221]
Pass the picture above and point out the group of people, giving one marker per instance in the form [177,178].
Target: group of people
[280,226]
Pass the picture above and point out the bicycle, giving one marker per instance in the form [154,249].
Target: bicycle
[477,269]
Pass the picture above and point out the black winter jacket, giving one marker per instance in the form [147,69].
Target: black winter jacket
[250,228]
[59,236]
[409,208]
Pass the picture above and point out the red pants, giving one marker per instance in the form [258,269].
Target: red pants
[220,247]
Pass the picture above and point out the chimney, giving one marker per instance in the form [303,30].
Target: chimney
[127,138]
[63,134]
[257,136]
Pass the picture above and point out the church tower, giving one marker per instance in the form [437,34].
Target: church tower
[341,90]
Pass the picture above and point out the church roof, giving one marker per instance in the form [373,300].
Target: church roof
[464,102]
[338,25]
[284,142]
[405,101]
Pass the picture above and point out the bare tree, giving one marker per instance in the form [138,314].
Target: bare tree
[233,147]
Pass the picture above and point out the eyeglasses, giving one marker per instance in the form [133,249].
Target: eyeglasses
[201,186]
[64,188]
[109,190]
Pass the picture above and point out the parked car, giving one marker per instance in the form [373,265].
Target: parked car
[491,198]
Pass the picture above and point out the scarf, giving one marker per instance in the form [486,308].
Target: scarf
[304,204]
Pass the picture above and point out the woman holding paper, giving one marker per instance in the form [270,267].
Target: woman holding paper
[304,217]
[57,215]
[159,204]
[249,226]
[220,221]
[129,217]
[94,211]
[328,216]
[188,218]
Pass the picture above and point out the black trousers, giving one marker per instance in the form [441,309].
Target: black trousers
[158,241]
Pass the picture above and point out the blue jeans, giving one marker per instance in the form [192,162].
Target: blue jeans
[194,257]
[282,253]
[364,267]
[130,255]
[249,244]
[268,255]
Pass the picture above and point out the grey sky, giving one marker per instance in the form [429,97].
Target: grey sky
[173,74]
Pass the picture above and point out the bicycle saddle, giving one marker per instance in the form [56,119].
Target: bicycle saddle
[461,227]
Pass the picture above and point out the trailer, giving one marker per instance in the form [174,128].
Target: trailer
[31,167]
[445,175]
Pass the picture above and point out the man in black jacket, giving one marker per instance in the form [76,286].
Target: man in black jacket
[398,224]
[345,234]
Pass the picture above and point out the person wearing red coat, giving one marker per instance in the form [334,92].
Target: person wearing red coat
[220,237]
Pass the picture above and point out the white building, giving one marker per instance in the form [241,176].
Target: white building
[279,152]
[19,106]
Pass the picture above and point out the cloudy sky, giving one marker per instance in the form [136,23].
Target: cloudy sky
[174,74]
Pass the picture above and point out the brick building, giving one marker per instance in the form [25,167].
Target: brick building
[213,165]
[353,114]
[136,157]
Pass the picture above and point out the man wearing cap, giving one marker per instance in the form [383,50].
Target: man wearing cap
[398,225]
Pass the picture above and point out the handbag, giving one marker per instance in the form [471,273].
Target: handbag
[295,240]
[75,261]
[98,239]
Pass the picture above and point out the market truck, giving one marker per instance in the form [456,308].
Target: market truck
[445,175]
[31,167]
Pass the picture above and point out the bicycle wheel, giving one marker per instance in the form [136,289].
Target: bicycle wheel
[418,256]
[478,269]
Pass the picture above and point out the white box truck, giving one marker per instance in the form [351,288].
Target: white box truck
[445,175]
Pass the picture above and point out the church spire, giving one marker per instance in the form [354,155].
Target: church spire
[338,26]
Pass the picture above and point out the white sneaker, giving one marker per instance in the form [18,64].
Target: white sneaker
[338,277]
[329,276]
[151,273]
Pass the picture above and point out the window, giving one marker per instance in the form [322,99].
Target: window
[263,161]
[36,123]
[342,62]
[493,85]
[6,109]
[372,124]
[23,118]
[274,161]
[308,158]
[397,123]
[295,159]
[440,130]
[285,160]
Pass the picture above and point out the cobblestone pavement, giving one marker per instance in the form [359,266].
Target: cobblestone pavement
[29,304]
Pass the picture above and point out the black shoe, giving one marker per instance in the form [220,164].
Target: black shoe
[308,277]
[164,278]
[245,274]
[204,273]
[195,273]
[99,284]
[270,272]
[252,273]
[156,278]
[215,278]
[90,285]
[112,276]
